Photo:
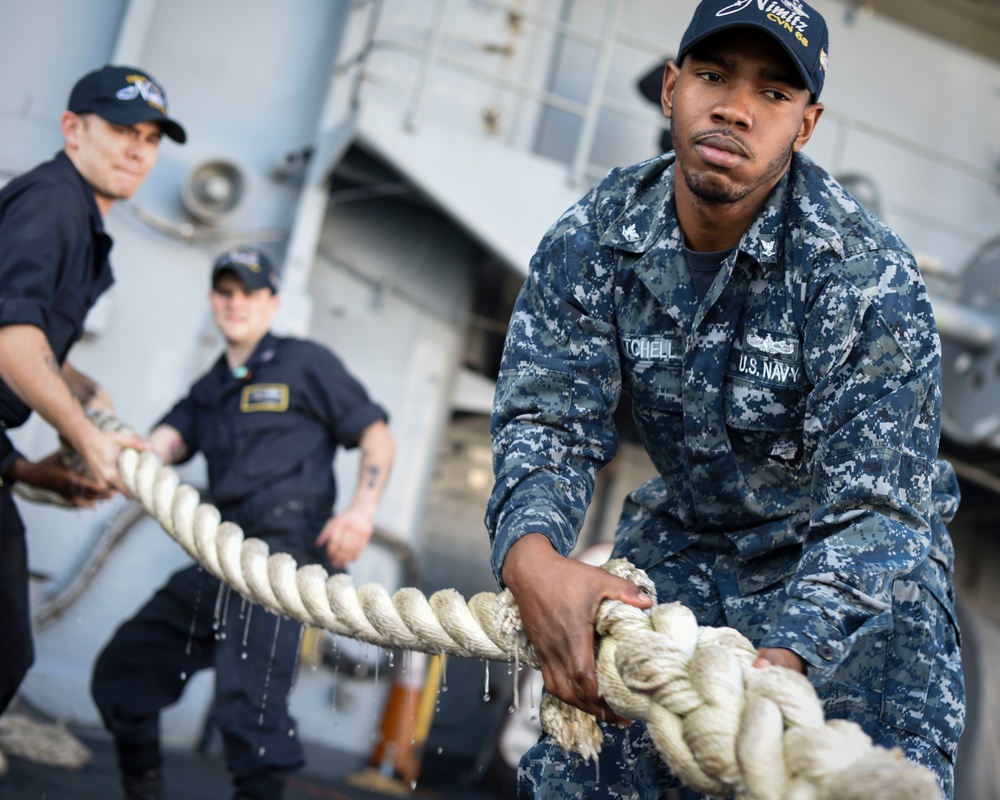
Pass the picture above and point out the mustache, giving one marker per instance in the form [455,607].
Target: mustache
[724,139]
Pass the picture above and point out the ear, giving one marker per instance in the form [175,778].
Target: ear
[670,73]
[809,119]
[70,124]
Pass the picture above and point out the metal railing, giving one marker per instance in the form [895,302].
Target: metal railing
[431,59]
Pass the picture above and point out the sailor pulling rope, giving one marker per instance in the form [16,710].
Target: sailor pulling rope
[724,727]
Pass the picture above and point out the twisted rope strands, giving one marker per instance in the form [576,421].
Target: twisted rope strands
[725,728]
[443,623]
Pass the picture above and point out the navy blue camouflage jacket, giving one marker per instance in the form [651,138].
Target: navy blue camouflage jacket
[795,409]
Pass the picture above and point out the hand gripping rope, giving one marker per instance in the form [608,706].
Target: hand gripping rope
[725,728]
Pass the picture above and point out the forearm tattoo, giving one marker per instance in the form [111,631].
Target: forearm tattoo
[373,473]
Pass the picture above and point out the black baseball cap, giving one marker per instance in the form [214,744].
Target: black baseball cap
[124,96]
[796,26]
[250,265]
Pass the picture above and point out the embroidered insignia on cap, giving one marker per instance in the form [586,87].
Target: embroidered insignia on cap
[244,258]
[141,86]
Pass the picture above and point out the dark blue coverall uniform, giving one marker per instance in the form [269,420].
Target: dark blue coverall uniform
[269,432]
[53,267]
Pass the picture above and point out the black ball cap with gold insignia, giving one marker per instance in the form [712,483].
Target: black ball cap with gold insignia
[252,266]
[795,25]
[124,96]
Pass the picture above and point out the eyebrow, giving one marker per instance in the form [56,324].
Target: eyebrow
[789,79]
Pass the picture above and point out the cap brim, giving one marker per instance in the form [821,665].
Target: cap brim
[131,116]
[173,129]
[251,282]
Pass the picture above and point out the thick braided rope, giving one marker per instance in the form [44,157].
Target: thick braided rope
[724,727]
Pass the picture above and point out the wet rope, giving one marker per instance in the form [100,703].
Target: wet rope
[49,743]
[724,728]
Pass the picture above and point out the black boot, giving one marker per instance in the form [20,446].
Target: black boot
[146,785]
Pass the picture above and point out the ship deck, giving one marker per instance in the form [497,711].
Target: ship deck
[202,776]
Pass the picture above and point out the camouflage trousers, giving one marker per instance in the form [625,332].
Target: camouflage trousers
[903,686]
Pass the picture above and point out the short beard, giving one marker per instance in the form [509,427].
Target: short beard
[708,190]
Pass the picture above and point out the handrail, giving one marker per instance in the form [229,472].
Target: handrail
[431,58]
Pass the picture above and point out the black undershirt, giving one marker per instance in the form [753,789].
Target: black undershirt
[703,268]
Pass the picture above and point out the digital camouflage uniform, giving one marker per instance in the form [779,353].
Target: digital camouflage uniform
[793,416]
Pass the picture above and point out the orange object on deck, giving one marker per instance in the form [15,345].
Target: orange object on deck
[406,720]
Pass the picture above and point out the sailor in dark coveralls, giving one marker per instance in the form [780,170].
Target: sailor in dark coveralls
[53,267]
[269,417]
